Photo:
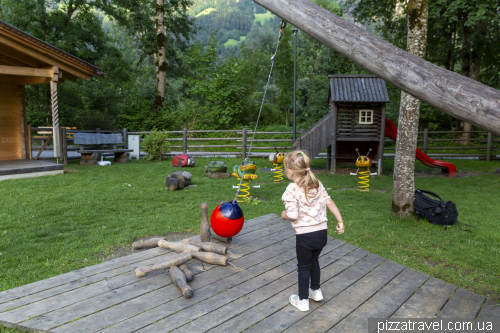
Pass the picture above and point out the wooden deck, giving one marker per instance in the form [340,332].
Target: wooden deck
[13,169]
[356,284]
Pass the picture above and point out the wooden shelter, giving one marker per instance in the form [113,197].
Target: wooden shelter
[356,120]
[358,106]
[26,60]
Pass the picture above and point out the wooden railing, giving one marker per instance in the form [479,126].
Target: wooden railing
[237,142]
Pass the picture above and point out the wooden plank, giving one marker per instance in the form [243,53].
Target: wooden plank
[490,309]
[427,301]
[254,264]
[384,303]
[285,315]
[273,281]
[122,290]
[333,311]
[26,71]
[95,272]
[462,304]
[252,315]
[214,283]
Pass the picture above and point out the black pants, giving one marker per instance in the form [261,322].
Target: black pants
[308,248]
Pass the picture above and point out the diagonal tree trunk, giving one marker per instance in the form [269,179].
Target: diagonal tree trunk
[450,92]
[403,193]
[162,59]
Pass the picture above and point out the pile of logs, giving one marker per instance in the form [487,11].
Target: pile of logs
[203,250]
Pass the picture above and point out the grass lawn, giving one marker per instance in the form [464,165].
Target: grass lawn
[52,225]
[205,12]
[262,18]
[234,42]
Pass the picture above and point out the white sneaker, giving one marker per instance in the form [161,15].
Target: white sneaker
[302,305]
[315,295]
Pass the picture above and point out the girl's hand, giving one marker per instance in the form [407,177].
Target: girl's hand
[283,215]
[340,228]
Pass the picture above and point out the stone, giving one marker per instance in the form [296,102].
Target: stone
[184,174]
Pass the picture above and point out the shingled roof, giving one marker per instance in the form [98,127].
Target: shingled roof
[358,88]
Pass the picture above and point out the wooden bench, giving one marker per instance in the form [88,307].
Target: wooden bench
[91,156]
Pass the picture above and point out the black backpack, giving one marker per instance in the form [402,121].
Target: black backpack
[435,211]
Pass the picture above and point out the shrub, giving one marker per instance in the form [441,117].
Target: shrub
[155,145]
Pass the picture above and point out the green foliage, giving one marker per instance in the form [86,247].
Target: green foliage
[155,146]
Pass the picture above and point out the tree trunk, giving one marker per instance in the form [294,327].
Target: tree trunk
[162,59]
[447,91]
[403,193]
[466,55]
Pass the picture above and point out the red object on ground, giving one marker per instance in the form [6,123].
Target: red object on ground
[182,160]
[227,219]
[391,131]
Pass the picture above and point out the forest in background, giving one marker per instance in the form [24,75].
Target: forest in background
[218,59]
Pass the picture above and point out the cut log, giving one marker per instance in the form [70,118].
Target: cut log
[152,242]
[205,226]
[208,246]
[187,273]
[452,93]
[175,260]
[180,281]
[209,257]
[177,246]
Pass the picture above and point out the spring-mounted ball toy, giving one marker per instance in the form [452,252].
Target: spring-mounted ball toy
[227,219]
[277,160]
[364,164]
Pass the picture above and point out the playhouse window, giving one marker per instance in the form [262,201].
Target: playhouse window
[366,116]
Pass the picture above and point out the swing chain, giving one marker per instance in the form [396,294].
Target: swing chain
[247,159]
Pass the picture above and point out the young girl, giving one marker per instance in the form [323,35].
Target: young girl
[305,201]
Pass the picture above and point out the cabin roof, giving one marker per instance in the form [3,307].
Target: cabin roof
[20,49]
[358,88]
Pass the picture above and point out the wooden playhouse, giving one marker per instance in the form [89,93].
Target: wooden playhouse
[356,120]
[26,60]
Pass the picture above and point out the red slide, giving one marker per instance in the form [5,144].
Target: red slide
[391,131]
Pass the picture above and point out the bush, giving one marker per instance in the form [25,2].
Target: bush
[155,145]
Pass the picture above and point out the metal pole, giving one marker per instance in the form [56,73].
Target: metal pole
[294,82]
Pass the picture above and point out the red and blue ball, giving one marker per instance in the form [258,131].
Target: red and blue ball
[227,219]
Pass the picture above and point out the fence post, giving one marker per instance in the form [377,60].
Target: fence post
[30,144]
[488,147]
[184,141]
[244,142]
[125,138]
[426,138]
[64,145]
[302,132]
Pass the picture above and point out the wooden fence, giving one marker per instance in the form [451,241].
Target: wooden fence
[237,142]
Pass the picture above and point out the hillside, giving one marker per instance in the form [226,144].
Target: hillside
[232,19]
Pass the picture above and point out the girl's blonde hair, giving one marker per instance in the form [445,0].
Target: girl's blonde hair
[299,162]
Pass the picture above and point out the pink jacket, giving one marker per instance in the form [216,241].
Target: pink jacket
[309,216]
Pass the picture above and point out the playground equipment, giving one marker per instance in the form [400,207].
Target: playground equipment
[245,173]
[277,160]
[227,219]
[391,131]
[234,213]
[450,92]
[364,163]
[356,120]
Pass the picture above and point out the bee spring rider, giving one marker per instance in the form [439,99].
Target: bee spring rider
[364,163]
[277,160]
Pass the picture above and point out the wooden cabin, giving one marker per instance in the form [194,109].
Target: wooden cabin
[26,60]
[358,106]
[356,120]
